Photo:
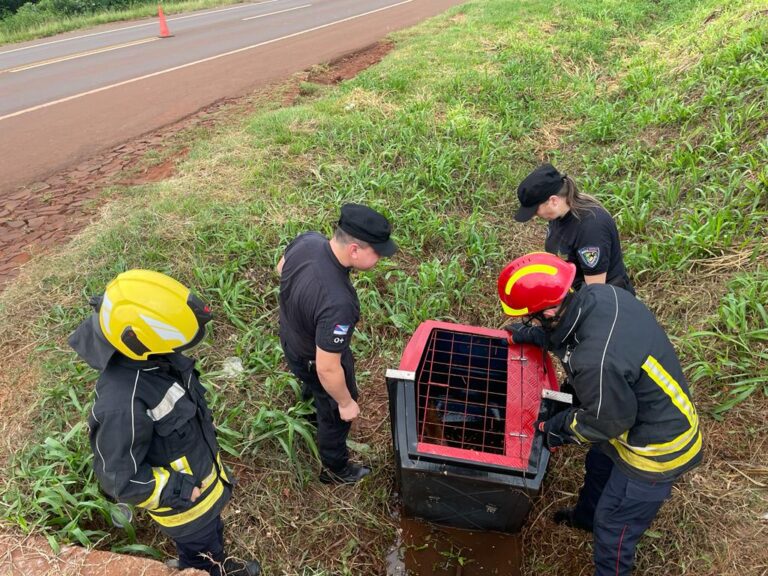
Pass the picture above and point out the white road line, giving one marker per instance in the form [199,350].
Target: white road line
[209,59]
[79,55]
[153,23]
[278,12]
[250,5]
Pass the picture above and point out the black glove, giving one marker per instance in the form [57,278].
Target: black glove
[178,492]
[522,334]
[552,430]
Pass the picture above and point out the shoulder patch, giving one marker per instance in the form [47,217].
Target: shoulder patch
[341,329]
[590,256]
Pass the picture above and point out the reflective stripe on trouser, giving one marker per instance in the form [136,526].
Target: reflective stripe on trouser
[626,508]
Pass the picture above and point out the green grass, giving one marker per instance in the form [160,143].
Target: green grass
[656,107]
[29,24]
[737,342]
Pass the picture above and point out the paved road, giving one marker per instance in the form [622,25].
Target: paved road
[66,98]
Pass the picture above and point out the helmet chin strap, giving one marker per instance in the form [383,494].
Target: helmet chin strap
[548,323]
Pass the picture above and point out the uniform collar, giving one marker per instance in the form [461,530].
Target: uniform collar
[332,257]
[578,309]
[164,362]
[567,217]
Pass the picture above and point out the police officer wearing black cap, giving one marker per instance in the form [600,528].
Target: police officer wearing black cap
[580,229]
[318,312]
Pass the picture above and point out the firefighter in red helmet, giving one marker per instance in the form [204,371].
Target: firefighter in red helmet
[533,283]
[634,407]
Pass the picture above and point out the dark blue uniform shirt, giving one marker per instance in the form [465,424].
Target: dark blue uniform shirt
[592,244]
[318,304]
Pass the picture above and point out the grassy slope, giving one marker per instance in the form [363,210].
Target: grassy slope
[657,107]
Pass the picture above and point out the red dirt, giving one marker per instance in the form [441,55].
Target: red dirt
[41,215]
[351,65]
[33,557]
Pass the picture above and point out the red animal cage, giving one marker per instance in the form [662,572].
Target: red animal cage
[463,405]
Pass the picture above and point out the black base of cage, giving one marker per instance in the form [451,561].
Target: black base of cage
[471,503]
[462,494]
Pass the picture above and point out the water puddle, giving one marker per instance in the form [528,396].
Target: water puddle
[425,549]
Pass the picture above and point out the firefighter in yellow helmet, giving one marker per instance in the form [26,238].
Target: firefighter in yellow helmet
[634,407]
[151,432]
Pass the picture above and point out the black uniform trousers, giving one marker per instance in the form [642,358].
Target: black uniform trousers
[332,431]
[203,549]
[619,509]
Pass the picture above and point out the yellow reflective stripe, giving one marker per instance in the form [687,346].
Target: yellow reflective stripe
[199,509]
[222,470]
[667,447]
[161,479]
[671,387]
[182,465]
[576,432]
[209,479]
[642,463]
[530,269]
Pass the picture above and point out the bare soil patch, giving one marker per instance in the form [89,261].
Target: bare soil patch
[31,556]
[350,65]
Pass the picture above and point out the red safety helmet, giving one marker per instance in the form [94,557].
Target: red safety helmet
[534,282]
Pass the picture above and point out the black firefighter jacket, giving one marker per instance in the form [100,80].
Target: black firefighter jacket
[634,399]
[152,434]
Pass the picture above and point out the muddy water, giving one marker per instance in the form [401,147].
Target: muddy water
[424,549]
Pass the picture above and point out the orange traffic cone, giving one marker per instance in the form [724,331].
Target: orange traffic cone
[164,32]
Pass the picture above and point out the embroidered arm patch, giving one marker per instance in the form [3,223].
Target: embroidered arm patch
[589,256]
[333,336]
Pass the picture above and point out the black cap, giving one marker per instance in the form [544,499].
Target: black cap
[537,187]
[369,226]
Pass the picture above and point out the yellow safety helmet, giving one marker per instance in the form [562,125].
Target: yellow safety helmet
[144,312]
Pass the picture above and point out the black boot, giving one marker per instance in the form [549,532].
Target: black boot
[234,567]
[568,517]
[351,474]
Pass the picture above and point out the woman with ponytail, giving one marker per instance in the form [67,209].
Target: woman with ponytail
[580,230]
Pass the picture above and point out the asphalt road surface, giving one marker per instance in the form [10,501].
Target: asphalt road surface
[66,98]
